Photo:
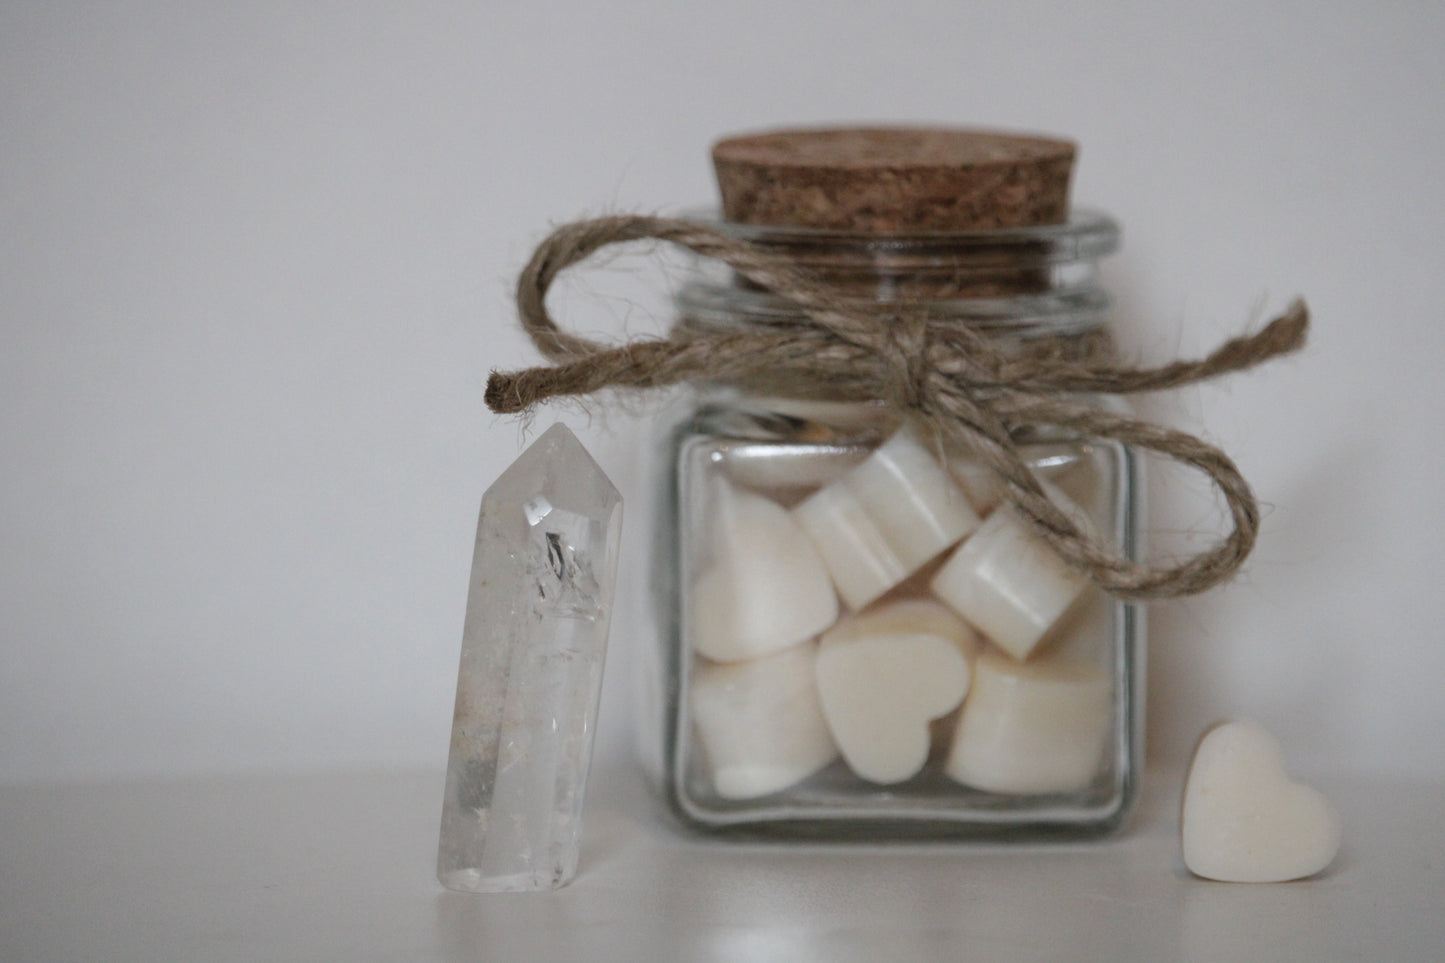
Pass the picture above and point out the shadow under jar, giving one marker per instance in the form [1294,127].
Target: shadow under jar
[865,641]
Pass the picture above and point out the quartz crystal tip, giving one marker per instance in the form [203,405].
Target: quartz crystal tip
[530,676]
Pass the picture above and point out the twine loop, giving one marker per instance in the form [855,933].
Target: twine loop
[960,381]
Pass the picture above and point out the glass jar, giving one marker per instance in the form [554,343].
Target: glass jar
[862,641]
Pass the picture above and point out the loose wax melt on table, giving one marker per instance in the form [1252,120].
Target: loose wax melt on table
[1031,727]
[886,517]
[760,723]
[884,675]
[1244,820]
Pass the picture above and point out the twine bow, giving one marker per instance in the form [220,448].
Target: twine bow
[973,391]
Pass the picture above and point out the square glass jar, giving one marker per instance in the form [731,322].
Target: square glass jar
[808,694]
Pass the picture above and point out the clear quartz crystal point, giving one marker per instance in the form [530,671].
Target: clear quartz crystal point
[531,671]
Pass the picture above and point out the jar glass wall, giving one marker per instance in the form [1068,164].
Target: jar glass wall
[865,641]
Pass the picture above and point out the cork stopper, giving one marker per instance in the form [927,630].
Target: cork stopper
[894,179]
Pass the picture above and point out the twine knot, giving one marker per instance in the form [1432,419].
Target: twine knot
[905,353]
[972,391]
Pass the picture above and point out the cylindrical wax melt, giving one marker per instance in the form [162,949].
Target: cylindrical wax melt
[887,516]
[1033,727]
[1008,583]
[784,470]
[760,723]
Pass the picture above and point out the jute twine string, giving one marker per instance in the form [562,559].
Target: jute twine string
[972,390]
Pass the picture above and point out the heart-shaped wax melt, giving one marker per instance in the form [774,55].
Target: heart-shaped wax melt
[884,675]
[759,722]
[766,588]
[1245,820]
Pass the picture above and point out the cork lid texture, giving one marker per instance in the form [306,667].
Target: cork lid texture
[894,180]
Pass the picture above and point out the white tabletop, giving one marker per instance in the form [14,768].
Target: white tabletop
[340,867]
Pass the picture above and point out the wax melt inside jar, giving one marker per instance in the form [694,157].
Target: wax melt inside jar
[870,641]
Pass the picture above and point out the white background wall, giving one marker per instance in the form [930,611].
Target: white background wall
[255,264]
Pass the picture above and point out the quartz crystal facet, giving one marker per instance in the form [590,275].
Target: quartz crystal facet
[531,671]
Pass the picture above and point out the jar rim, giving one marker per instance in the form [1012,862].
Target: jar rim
[1088,233]
[1025,281]
[1058,312]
